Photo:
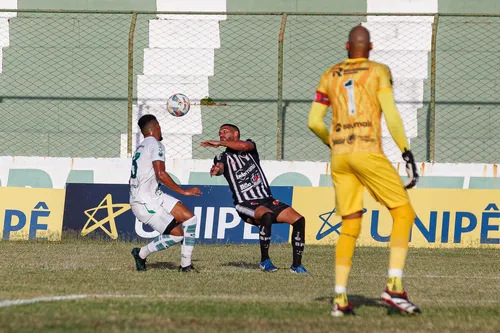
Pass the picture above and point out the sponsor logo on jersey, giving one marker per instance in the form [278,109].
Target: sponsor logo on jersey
[339,141]
[244,174]
[339,127]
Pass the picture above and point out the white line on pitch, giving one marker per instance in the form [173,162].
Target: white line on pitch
[430,276]
[7,303]
[241,298]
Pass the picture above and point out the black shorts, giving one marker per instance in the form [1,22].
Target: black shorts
[246,209]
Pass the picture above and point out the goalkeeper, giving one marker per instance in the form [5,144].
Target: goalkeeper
[359,90]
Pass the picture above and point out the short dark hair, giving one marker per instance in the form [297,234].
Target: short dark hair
[232,126]
[145,120]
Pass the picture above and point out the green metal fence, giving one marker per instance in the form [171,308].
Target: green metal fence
[73,83]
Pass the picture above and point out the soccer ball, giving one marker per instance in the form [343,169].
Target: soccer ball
[178,105]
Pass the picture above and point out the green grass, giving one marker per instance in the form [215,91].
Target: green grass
[458,290]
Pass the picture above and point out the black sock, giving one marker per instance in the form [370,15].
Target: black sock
[298,240]
[266,222]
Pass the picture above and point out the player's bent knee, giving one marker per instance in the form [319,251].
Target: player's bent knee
[301,221]
[288,215]
[176,239]
[356,215]
[267,216]
[266,220]
[351,227]
[177,231]
[405,209]
[261,211]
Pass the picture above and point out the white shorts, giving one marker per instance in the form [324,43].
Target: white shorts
[156,214]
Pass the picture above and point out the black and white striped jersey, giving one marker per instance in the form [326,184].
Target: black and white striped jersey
[244,174]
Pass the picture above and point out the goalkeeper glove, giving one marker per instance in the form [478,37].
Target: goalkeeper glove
[411,169]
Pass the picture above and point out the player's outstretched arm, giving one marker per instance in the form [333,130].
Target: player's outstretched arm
[237,145]
[396,128]
[164,178]
[315,121]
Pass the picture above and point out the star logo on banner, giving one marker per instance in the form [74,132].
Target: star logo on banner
[92,223]
[327,227]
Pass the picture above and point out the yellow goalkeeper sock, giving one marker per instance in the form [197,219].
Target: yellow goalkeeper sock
[343,254]
[341,300]
[395,284]
[404,218]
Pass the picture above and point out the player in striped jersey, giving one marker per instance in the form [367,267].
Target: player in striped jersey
[253,200]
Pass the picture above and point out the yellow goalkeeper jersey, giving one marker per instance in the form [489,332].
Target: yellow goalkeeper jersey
[351,88]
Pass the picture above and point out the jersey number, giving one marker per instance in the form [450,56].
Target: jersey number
[133,173]
[351,104]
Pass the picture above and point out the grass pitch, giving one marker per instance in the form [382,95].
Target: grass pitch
[457,290]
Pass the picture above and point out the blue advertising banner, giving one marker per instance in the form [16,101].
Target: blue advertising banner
[103,210]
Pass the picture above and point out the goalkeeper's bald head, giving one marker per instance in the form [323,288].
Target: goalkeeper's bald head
[359,44]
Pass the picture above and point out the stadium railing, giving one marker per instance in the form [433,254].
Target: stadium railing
[73,83]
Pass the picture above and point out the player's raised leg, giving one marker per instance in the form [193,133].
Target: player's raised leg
[159,219]
[178,224]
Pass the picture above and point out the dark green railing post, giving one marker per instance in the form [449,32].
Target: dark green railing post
[281,124]
[130,84]
[431,151]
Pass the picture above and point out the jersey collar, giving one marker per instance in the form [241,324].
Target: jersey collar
[355,59]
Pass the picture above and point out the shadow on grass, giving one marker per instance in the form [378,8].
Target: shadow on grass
[359,301]
[163,265]
[356,300]
[242,264]
[166,265]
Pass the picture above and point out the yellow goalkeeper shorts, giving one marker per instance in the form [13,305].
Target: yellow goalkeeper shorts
[354,171]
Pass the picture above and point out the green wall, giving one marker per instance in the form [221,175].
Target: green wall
[88,4]
[64,80]
[468,6]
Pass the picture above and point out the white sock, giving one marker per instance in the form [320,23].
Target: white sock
[159,243]
[144,252]
[340,290]
[187,245]
[394,272]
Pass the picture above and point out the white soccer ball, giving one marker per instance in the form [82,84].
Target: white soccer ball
[178,105]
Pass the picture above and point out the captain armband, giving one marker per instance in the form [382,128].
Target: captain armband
[321,97]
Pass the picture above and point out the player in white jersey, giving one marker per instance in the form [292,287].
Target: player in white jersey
[162,212]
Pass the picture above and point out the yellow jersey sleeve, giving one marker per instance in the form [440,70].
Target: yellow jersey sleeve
[316,123]
[318,111]
[323,85]
[385,78]
[388,105]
